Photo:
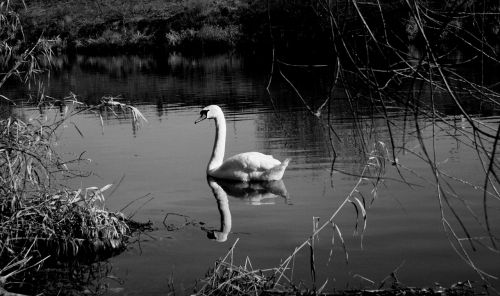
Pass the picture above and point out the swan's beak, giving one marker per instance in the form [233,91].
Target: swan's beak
[202,117]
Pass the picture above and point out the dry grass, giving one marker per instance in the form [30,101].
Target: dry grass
[40,217]
[229,278]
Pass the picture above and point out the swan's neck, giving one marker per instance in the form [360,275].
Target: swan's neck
[219,144]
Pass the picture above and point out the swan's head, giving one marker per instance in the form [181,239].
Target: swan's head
[209,112]
[217,236]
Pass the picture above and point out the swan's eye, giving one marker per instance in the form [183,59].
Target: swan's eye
[203,112]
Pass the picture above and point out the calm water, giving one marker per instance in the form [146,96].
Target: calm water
[162,164]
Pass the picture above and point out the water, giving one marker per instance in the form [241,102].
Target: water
[161,165]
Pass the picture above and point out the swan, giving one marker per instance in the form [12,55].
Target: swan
[248,166]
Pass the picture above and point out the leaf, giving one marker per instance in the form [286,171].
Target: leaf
[311,258]
[322,288]
[106,187]
[333,243]
[78,130]
[343,243]
[363,211]
[357,215]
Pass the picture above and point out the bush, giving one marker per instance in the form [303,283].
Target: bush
[208,37]
[36,211]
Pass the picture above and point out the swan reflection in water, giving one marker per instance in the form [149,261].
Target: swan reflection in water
[256,193]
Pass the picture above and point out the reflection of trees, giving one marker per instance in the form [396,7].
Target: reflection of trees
[172,79]
[311,143]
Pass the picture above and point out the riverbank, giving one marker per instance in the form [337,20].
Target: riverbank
[196,26]
[138,25]
[190,26]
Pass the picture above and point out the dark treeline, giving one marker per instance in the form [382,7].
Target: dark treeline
[298,29]
[109,26]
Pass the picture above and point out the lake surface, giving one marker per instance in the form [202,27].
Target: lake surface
[158,169]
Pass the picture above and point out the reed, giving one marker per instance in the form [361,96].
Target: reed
[229,278]
[40,217]
[208,37]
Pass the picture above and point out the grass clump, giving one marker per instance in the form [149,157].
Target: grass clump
[208,37]
[36,211]
[228,278]
[40,217]
[123,40]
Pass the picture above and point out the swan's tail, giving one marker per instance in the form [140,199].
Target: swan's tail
[285,162]
[276,173]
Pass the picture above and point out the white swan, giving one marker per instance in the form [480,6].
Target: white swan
[249,166]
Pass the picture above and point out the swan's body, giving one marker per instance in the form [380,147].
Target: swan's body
[249,166]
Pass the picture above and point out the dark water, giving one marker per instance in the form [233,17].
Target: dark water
[165,160]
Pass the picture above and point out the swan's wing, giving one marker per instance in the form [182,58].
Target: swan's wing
[249,161]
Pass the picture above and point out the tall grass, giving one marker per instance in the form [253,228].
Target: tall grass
[230,278]
[208,37]
[40,217]
[20,56]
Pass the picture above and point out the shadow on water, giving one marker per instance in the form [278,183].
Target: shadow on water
[163,81]
[67,279]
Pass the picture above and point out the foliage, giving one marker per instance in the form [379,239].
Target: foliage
[124,40]
[35,209]
[136,25]
[19,55]
[211,37]
[39,216]
[140,25]
[191,25]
